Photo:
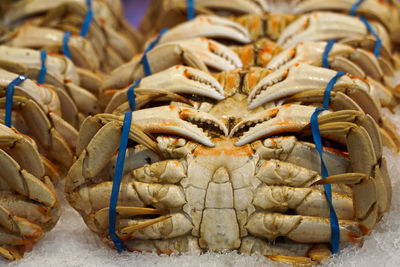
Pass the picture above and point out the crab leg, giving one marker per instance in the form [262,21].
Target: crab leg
[304,229]
[287,118]
[304,201]
[81,50]
[384,12]
[42,95]
[207,26]
[283,83]
[324,26]
[42,130]
[177,79]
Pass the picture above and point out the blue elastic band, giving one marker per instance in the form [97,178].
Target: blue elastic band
[378,44]
[335,231]
[131,95]
[9,98]
[329,87]
[67,36]
[190,9]
[354,8]
[117,180]
[327,50]
[43,70]
[146,65]
[88,19]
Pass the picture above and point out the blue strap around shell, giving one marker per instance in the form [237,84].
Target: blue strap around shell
[354,8]
[65,47]
[327,50]
[120,167]
[146,65]
[43,70]
[117,181]
[131,95]
[9,98]
[190,9]
[88,19]
[335,231]
[378,44]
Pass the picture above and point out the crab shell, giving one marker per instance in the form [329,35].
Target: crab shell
[28,203]
[247,184]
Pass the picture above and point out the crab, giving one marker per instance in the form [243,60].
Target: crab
[386,12]
[61,75]
[265,88]
[82,52]
[172,12]
[28,204]
[113,40]
[233,161]
[257,187]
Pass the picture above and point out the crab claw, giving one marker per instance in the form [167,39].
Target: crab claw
[208,26]
[306,52]
[177,79]
[286,118]
[212,53]
[187,80]
[322,26]
[249,6]
[178,121]
[283,83]
[374,9]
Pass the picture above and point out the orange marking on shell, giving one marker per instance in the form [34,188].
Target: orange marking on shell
[252,79]
[230,151]
[176,163]
[397,88]
[111,92]
[247,55]
[353,237]
[359,78]
[212,47]
[231,79]
[365,230]
[171,107]
[185,72]
[274,22]
[102,21]
[255,22]
[341,153]
[273,142]
[267,52]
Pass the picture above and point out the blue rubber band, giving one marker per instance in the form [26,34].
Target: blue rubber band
[67,36]
[327,50]
[378,44]
[190,9]
[117,181]
[329,87]
[145,61]
[131,95]
[335,230]
[43,70]
[9,97]
[88,19]
[354,8]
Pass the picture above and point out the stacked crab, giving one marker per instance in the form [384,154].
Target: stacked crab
[220,153]
[47,94]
